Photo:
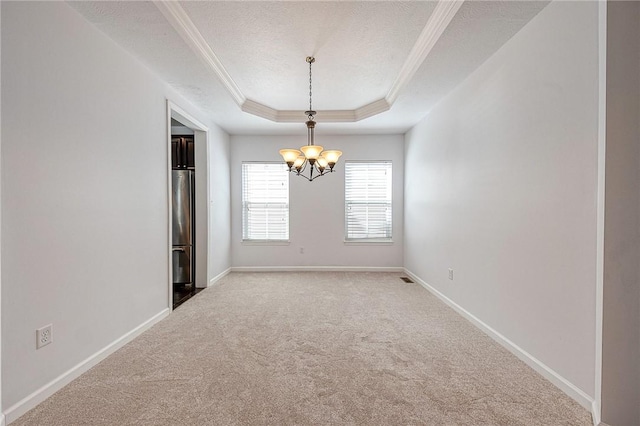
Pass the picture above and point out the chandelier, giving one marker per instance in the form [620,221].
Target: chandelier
[311,157]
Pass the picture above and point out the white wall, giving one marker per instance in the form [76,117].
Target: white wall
[501,185]
[219,203]
[316,215]
[2,419]
[621,307]
[84,193]
[201,183]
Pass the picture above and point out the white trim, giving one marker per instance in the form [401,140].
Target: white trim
[1,381]
[209,201]
[595,414]
[325,116]
[600,206]
[317,269]
[185,118]
[260,110]
[374,108]
[441,17]
[218,277]
[563,384]
[295,116]
[29,402]
[170,209]
[2,421]
[265,242]
[180,21]
[369,242]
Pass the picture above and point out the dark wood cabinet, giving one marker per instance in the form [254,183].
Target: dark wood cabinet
[182,152]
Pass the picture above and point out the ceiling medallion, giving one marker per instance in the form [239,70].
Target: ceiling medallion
[310,158]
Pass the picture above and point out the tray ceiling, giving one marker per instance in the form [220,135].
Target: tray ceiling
[380,66]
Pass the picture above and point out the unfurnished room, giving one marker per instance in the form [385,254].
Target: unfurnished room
[320,212]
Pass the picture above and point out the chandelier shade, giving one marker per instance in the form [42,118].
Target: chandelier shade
[310,157]
[312,152]
[322,163]
[332,156]
[299,162]
[290,155]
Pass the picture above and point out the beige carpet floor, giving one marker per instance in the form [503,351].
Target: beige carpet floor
[311,349]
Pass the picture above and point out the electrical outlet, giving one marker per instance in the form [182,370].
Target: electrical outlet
[301,250]
[451,274]
[44,336]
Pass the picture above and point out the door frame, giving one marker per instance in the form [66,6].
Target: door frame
[201,135]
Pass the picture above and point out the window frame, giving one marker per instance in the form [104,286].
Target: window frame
[388,202]
[243,201]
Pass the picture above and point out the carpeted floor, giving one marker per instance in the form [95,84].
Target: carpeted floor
[311,349]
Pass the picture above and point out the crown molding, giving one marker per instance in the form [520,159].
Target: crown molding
[337,116]
[374,108]
[293,116]
[326,116]
[441,17]
[296,116]
[181,22]
[260,110]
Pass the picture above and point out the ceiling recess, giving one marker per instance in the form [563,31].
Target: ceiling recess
[437,23]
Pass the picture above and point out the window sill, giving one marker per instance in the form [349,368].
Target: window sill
[368,242]
[265,243]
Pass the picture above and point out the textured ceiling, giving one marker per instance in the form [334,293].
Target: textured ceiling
[360,49]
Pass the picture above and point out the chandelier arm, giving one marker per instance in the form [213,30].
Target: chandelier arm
[324,173]
[311,176]
[301,175]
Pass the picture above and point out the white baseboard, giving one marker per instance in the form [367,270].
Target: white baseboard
[29,402]
[317,269]
[595,415]
[218,277]
[563,384]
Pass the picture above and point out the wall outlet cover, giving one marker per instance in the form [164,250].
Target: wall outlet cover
[44,336]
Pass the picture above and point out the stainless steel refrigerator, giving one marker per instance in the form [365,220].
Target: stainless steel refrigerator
[183,227]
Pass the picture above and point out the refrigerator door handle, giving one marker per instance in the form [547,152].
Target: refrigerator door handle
[179,153]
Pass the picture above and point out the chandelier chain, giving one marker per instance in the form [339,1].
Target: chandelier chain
[310,108]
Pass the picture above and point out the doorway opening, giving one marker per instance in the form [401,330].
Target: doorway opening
[188,206]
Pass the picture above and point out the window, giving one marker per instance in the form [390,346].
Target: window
[368,200]
[265,202]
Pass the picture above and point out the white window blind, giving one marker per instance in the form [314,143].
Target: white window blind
[265,201]
[368,200]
